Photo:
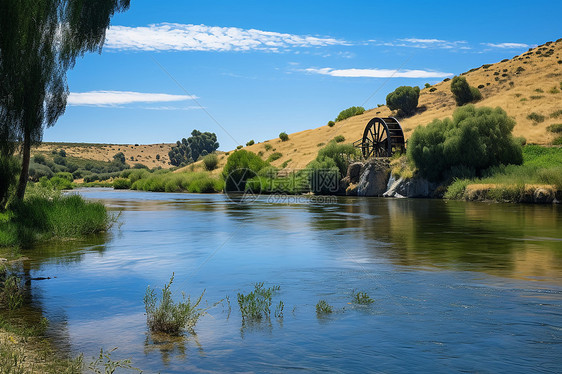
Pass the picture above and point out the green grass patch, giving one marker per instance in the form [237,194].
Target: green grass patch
[555,128]
[43,216]
[535,117]
[339,139]
[256,305]
[556,114]
[196,182]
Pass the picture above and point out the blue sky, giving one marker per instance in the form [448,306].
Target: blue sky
[251,69]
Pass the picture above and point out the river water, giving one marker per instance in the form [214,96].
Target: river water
[457,286]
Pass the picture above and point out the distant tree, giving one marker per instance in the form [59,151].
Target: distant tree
[202,143]
[404,99]
[283,136]
[119,158]
[463,92]
[251,142]
[39,41]
[189,150]
[62,153]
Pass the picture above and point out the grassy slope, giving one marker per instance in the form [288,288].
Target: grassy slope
[512,92]
[541,73]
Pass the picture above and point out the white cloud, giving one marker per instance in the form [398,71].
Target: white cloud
[182,37]
[113,98]
[428,43]
[507,45]
[379,73]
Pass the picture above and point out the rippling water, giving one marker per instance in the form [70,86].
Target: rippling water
[457,286]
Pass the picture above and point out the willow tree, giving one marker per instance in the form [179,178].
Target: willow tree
[39,41]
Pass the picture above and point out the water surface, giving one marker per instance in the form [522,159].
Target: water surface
[457,286]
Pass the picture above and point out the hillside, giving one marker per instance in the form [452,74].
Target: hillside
[530,82]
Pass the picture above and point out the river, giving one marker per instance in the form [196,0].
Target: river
[457,286]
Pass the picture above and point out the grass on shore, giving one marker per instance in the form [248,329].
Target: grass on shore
[197,182]
[47,214]
[541,166]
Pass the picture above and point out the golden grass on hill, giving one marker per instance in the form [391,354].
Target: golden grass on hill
[528,83]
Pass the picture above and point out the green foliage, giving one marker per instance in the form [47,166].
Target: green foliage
[556,114]
[240,166]
[39,159]
[188,150]
[325,172]
[119,158]
[166,316]
[404,99]
[350,112]
[45,214]
[339,153]
[475,139]
[104,364]
[251,142]
[432,89]
[535,117]
[256,304]
[267,147]
[9,168]
[361,298]
[323,308]
[121,184]
[274,156]
[455,191]
[331,123]
[210,161]
[11,292]
[165,181]
[283,136]
[427,85]
[462,92]
[339,139]
[59,160]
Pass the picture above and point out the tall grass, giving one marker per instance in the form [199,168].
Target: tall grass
[199,182]
[256,304]
[169,317]
[41,217]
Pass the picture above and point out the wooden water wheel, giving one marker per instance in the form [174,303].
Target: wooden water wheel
[381,138]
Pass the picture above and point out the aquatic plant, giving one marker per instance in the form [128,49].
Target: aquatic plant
[361,298]
[256,304]
[169,317]
[104,364]
[322,308]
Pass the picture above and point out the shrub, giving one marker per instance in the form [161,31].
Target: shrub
[267,147]
[251,142]
[256,305]
[404,99]
[476,138]
[59,160]
[325,172]
[339,139]
[350,112]
[556,128]
[274,156]
[331,123]
[121,184]
[239,147]
[361,298]
[462,92]
[210,161]
[37,171]
[240,166]
[158,157]
[9,168]
[60,183]
[481,86]
[427,85]
[322,307]
[283,136]
[166,316]
[535,117]
[39,159]
[432,89]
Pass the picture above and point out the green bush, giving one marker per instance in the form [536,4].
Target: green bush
[210,161]
[322,308]
[59,183]
[9,169]
[427,85]
[476,139]
[274,156]
[36,171]
[535,117]
[432,89]
[121,184]
[283,136]
[255,305]
[462,92]
[404,99]
[361,298]
[350,112]
[267,147]
[251,142]
[166,316]
[240,166]
[39,159]
[556,128]
[331,123]
[339,139]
